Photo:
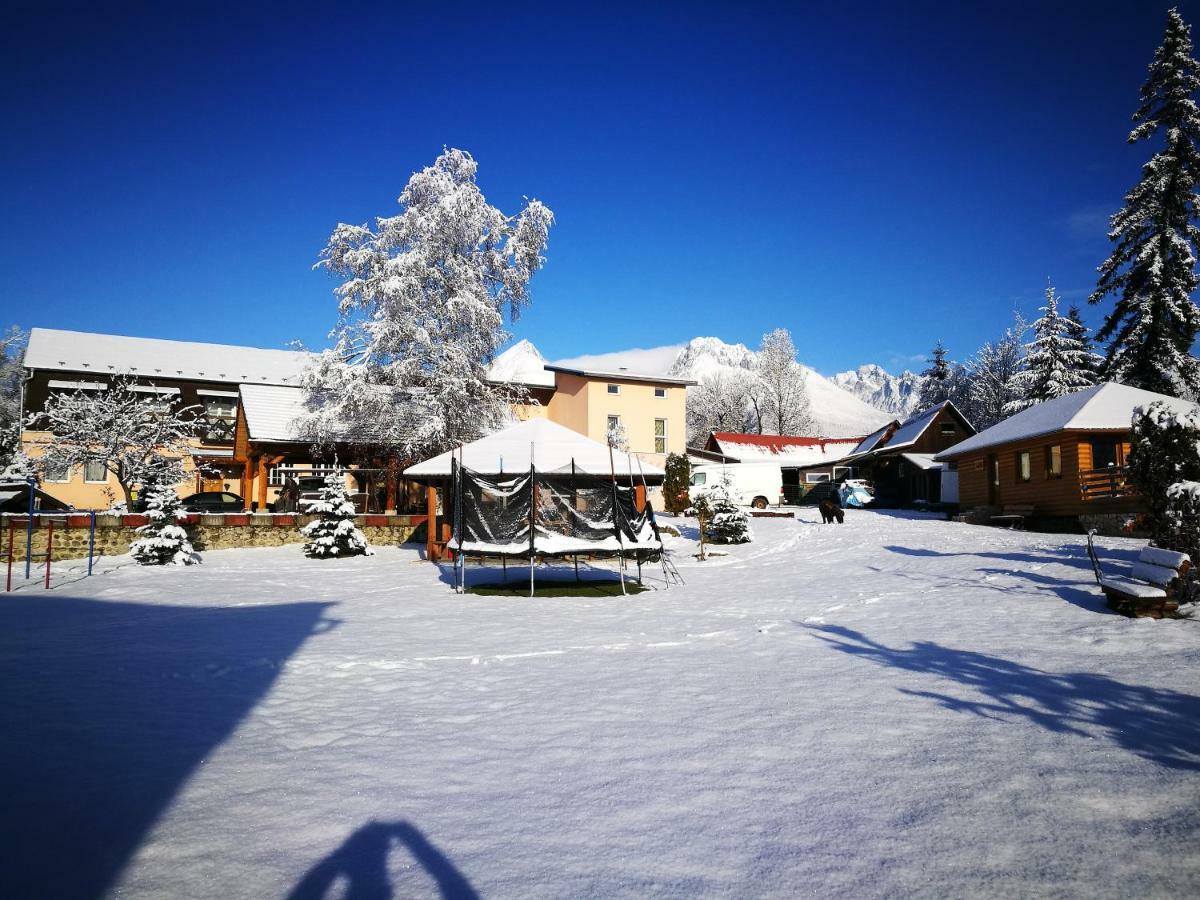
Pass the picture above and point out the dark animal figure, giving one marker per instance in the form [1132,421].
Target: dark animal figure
[830,510]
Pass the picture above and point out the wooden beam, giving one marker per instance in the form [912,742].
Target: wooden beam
[431,523]
[262,483]
[247,481]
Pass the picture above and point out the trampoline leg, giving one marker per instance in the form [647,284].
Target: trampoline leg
[576,566]
[504,569]
[531,575]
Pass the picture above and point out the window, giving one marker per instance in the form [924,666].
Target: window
[660,393]
[995,471]
[217,423]
[1105,453]
[949,428]
[614,389]
[58,471]
[95,472]
[815,477]
[1024,466]
[843,472]
[614,422]
[1054,461]
[660,435]
[699,477]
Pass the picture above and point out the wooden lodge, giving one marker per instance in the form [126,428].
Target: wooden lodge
[1064,458]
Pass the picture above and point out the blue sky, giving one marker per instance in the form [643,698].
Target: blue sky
[872,178]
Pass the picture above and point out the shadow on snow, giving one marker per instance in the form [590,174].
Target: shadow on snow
[108,708]
[358,869]
[1154,723]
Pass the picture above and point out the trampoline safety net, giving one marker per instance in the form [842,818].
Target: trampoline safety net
[548,514]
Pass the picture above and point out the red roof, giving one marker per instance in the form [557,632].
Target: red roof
[778,443]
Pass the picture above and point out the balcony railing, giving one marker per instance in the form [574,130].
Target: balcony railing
[1110,483]
[215,429]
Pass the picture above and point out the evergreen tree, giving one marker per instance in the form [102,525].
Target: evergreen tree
[1152,271]
[1165,452]
[162,541]
[334,534]
[935,383]
[1090,361]
[675,485]
[727,523]
[1056,362]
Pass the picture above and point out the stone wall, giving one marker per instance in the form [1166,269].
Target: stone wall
[207,532]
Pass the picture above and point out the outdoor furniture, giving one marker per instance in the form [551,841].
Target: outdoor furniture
[1013,516]
[1152,586]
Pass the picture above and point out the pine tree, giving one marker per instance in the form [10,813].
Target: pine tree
[727,523]
[675,485]
[935,380]
[334,534]
[162,541]
[1152,271]
[1164,452]
[1056,362]
[1089,362]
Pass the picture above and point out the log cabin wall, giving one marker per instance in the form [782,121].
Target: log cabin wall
[1049,496]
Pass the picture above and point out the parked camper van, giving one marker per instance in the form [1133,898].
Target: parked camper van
[749,484]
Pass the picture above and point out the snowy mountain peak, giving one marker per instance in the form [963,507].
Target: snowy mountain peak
[879,388]
[703,355]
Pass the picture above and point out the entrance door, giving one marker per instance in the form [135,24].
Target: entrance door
[993,477]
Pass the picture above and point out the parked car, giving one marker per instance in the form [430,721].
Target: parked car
[214,502]
[748,484]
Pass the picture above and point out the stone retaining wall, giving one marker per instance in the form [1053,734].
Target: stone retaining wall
[207,532]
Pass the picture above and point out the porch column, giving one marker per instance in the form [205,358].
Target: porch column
[247,483]
[262,483]
[390,480]
[431,523]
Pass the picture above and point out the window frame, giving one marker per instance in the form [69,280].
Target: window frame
[948,428]
[1024,464]
[816,477]
[660,393]
[660,437]
[103,467]
[613,390]
[66,479]
[1050,471]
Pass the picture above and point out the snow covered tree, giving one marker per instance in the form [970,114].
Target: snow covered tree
[675,485]
[935,387]
[616,437]
[1090,362]
[719,402]
[1056,362]
[784,407]
[726,522]
[1152,271]
[334,534]
[135,435]
[995,392]
[162,541]
[1165,451]
[20,468]
[421,310]
[12,346]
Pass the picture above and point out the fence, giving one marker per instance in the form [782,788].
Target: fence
[1110,483]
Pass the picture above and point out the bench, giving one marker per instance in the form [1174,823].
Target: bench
[1152,586]
[1013,516]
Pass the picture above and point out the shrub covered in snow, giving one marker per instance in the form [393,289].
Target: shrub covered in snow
[334,534]
[1165,454]
[162,541]
[729,524]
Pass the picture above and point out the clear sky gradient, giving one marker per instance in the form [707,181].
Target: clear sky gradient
[872,177]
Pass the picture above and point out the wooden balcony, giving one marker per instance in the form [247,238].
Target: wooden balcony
[1110,483]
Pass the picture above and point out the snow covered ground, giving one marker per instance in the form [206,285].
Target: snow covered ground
[898,706]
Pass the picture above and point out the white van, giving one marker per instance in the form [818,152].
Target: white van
[749,484]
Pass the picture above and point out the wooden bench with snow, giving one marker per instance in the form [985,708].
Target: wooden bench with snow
[1013,516]
[1152,586]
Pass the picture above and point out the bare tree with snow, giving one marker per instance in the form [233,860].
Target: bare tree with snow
[136,435]
[12,345]
[995,390]
[719,403]
[421,308]
[783,407]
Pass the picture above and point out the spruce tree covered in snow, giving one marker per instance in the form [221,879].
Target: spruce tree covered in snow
[675,485]
[421,310]
[727,523]
[1057,361]
[720,402]
[1152,271]
[1090,361]
[935,384]
[784,406]
[12,347]
[136,436]
[162,541]
[995,392]
[1165,452]
[334,534]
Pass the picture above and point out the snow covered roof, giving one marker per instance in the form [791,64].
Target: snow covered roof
[872,440]
[911,430]
[521,364]
[922,461]
[784,449]
[273,412]
[1105,407]
[550,446]
[623,375]
[81,351]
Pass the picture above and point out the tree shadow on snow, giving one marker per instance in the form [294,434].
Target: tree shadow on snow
[1067,555]
[358,869]
[1155,723]
[108,709]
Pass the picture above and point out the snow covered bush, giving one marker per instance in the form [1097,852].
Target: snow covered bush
[334,534]
[1166,454]
[162,541]
[729,524]
[1183,505]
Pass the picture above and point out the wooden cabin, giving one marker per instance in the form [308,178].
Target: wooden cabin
[901,461]
[1065,457]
